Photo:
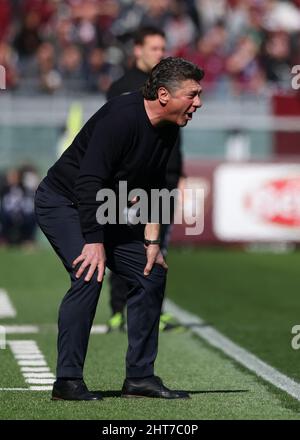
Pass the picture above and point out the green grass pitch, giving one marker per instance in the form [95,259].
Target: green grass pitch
[250,298]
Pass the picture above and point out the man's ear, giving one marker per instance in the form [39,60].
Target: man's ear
[137,49]
[163,95]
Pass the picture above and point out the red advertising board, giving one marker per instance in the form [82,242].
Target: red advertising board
[243,202]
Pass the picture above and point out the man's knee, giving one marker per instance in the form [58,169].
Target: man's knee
[93,282]
[82,296]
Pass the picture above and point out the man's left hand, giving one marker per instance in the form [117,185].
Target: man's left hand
[154,255]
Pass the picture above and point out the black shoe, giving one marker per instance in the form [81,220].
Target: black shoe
[150,387]
[73,390]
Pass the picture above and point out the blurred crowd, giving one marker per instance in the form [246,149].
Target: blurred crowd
[67,46]
[17,218]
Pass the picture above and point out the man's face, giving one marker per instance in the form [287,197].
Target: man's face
[150,52]
[182,102]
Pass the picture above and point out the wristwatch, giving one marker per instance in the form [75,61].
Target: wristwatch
[147,242]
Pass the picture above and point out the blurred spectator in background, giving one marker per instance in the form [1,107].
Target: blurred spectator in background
[17,218]
[71,68]
[8,60]
[249,44]
[5,18]
[11,215]
[149,49]
[243,68]
[209,53]
[44,9]
[282,15]
[179,27]
[41,75]
[50,79]
[295,50]
[276,58]
[29,38]
[99,72]
[155,12]
[64,32]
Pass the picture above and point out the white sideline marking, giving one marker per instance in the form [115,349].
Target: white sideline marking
[40,381]
[29,357]
[39,375]
[7,310]
[27,352]
[99,329]
[37,388]
[32,363]
[35,369]
[24,329]
[234,351]
[14,389]
[21,329]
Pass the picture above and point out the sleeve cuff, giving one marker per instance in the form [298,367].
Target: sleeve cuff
[94,237]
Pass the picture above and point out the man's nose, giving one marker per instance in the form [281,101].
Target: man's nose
[197,101]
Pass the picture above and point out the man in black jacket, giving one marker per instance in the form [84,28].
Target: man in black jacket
[149,49]
[128,140]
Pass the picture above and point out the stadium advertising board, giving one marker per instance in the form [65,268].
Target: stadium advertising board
[257,202]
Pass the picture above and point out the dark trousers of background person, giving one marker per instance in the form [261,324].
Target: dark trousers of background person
[118,287]
[59,220]
[17,229]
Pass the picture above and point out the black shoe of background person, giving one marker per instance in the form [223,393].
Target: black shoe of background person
[74,389]
[150,387]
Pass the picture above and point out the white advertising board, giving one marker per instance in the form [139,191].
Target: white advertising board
[257,202]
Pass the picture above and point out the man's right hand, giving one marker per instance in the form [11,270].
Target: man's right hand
[92,255]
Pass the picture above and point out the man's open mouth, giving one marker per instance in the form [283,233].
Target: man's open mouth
[189,115]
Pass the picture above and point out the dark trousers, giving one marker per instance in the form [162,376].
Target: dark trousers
[118,287]
[58,218]
[17,230]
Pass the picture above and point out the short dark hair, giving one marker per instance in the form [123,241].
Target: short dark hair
[146,31]
[168,73]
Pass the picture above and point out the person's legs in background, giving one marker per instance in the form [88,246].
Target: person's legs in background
[118,297]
